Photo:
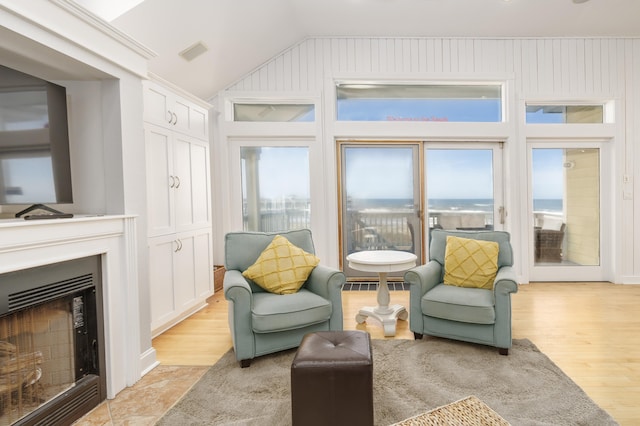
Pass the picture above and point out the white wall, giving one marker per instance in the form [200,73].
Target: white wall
[562,69]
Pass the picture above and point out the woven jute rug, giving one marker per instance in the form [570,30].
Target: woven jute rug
[467,411]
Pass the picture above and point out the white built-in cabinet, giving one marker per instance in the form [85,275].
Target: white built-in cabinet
[167,109]
[178,206]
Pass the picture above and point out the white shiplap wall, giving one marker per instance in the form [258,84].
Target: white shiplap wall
[570,66]
[540,69]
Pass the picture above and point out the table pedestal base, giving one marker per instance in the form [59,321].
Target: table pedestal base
[387,316]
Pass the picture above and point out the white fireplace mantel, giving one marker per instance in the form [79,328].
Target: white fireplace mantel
[30,243]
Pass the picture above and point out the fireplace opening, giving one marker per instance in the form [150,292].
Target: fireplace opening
[52,365]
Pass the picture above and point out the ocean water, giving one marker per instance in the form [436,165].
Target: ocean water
[449,204]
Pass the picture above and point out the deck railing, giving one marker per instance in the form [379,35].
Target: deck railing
[376,229]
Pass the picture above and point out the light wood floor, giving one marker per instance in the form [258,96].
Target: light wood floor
[590,330]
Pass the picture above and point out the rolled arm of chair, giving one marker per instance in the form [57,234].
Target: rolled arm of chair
[424,277]
[328,282]
[238,292]
[505,281]
[420,279]
[504,284]
[325,281]
[236,287]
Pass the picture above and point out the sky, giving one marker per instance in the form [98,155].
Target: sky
[379,173]
[547,173]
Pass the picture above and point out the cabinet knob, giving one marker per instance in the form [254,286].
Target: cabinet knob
[177,180]
[178,246]
[175,118]
[170,117]
[172,182]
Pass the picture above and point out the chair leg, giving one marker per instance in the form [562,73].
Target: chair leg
[503,351]
[244,363]
[417,336]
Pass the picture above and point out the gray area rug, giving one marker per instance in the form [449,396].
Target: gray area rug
[410,377]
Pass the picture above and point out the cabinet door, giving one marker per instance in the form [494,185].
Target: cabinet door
[193,269]
[157,105]
[181,112]
[199,122]
[161,273]
[167,109]
[191,168]
[203,264]
[160,180]
[200,183]
[180,276]
[184,272]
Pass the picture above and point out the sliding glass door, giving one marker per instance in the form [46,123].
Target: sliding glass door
[464,186]
[380,199]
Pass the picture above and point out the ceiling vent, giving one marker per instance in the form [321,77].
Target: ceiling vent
[192,52]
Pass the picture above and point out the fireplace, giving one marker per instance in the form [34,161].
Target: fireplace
[52,346]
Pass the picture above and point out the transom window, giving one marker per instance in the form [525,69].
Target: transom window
[564,114]
[273,112]
[420,102]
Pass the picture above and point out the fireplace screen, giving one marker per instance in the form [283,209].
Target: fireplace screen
[50,344]
[36,358]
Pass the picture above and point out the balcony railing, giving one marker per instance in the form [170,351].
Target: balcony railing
[381,230]
[373,229]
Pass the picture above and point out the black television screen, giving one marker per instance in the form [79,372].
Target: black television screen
[34,140]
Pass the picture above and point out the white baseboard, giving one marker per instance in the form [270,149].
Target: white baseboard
[148,361]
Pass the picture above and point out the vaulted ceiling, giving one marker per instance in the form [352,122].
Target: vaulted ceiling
[240,35]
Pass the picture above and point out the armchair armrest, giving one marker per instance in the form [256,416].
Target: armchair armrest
[424,277]
[505,281]
[504,284]
[238,292]
[327,282]
[235,286]
[421,279]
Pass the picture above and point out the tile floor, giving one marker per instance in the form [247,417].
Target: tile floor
[145,403]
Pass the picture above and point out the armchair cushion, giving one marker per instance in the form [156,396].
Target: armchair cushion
[470,263]
[273,312]
[282,267]
[470,305]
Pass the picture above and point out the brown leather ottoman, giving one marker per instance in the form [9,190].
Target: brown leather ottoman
[332,379]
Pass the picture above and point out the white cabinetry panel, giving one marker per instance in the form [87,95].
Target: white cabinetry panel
[165,108]
[177,180]
[179,206]
[181,276]
[160,191]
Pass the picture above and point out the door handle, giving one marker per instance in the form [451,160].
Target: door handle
[503,213]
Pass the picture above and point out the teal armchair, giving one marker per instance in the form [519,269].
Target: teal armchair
[470,314]
[261,322]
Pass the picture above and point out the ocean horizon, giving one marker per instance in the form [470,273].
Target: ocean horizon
[550,205]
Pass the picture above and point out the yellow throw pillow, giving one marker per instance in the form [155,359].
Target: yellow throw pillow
[282,267]
[470,263]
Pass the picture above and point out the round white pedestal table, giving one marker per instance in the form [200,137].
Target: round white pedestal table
[382,262]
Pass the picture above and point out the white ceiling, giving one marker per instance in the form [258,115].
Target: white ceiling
[243,34]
